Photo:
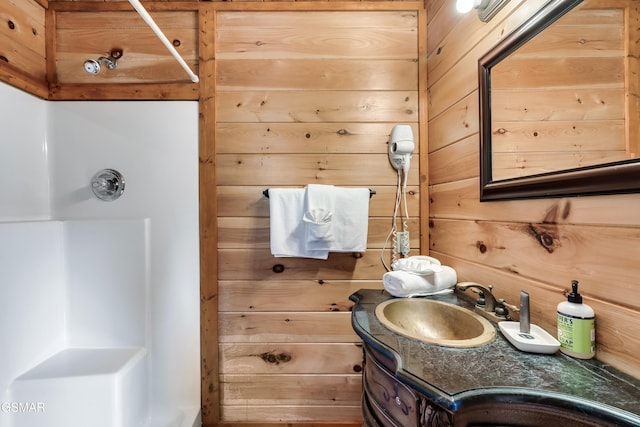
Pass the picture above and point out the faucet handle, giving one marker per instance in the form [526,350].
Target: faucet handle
[511,307]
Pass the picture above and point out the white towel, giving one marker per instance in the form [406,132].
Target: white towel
[288,234]
[401,283]
[318,217]
[351,219]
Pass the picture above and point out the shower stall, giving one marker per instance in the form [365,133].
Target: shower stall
[100,297]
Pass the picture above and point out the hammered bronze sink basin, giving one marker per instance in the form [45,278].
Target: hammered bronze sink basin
[435,322]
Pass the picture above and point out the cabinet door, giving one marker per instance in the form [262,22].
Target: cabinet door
[393,398]
[374,416]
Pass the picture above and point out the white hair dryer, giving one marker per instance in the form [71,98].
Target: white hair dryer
[400,147]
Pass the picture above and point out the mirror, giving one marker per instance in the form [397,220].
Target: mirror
[560,104]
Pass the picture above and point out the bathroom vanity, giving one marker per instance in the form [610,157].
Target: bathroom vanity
[407,382]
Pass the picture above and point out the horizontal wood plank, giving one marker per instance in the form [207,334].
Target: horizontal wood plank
[510,165]
[315,74]
[319,20]
[457,123]
[307,138]
[302,169]
[258,264]
[121,91]
[292,413]
[279,327]
[248,232]
[336,390]
[558,73]
[290,358]
[317,106]
[125,20]
[455,161]
[249,200]
[335,37]
[460,200]
[593,103]
[275,295]
[600,35]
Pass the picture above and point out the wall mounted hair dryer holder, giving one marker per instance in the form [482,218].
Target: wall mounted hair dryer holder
[401,147]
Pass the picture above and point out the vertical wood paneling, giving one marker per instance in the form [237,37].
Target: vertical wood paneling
[534,245]
[210,387]
[304,97]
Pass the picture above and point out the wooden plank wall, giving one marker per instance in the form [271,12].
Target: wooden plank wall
[22,45]
[535,245]
[303,96]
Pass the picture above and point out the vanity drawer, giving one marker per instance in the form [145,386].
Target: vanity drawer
[389,395]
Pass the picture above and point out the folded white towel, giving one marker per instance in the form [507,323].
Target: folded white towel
[318,217]
[419,264]
[350,219]
[287,231]
[401,283]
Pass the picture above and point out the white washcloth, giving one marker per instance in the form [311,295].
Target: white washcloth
[401,283]
[318,217]
[287,231]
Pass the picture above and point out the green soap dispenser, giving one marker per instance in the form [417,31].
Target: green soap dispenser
[576,326]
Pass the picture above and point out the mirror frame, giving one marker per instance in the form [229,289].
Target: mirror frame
[609,178]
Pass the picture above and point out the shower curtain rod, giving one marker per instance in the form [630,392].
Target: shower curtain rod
[149,20]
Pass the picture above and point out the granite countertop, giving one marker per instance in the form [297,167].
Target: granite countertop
[452,376]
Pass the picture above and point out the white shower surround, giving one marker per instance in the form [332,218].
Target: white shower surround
[48,153]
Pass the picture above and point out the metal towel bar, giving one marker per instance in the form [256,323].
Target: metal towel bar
[266,193]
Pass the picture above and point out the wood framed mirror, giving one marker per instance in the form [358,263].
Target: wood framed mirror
[560,104]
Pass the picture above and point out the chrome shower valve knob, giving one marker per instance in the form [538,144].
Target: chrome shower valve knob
[107,185]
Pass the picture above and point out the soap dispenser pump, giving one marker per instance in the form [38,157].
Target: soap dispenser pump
[576,326]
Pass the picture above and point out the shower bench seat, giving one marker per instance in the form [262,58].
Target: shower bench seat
[101,387]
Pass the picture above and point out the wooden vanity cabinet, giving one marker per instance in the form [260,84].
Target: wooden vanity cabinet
[388,402]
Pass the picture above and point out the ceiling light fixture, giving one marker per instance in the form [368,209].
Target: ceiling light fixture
[487,9]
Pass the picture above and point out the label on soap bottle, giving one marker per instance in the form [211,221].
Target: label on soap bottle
[577,334]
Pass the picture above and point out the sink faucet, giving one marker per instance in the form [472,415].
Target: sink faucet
[493,309]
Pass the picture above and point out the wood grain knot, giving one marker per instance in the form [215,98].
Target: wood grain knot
[278,268]
[546,236]
[275,358]
[11,25]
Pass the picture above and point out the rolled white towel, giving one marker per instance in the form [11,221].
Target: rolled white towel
[404,284]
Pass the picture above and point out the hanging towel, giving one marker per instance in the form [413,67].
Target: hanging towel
[288,234]
[318,217]
[349,222]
